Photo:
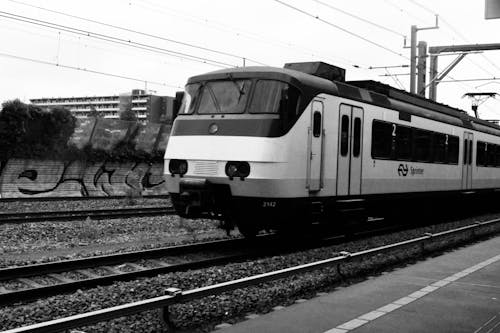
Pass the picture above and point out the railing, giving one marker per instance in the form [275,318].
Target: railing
[177,296]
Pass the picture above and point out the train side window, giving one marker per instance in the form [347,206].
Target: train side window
[497,155]
[422,145]
[481,153]
[356,146]
[440,147]
[382,136]
[403,143]
[344,135]
[491,155]
[317,124]
[470,151]
[466,151]
[453,143]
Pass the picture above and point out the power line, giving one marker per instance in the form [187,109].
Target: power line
[396,79]
[360,18]
[86,70]
[115,40]
[469,80]
[77,42]
[458,33]
[444,22]
[140,32]
[340,28]
[240,33]
[404,11]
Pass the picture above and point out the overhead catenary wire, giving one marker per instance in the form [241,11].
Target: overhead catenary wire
[77,42]
[160,8]
[359,18]
[401,10]
[341,29]
[458,33]
[396,79]
[141,33]
[443,20]
[115,40]
[471,80]
[462,82]
[87,70]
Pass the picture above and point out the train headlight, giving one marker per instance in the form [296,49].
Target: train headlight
[236,169]
[178,167]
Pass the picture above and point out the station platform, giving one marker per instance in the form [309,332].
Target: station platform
[458,291]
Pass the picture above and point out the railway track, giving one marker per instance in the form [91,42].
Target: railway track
[30,282]
[427,244]
[27,217]
[24,283]
[110,197]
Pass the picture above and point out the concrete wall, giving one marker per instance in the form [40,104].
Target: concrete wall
[24,178]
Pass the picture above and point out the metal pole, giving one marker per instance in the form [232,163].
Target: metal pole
[433,73]
[422,66]
[413,55]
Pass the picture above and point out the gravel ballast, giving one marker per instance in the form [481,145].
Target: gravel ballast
[21,206]
[26,243]
[203,314]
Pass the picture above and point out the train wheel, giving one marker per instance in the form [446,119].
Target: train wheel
[248,231]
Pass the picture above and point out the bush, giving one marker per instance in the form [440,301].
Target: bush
[27,131]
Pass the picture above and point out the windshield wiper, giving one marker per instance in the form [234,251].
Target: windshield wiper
[240,89]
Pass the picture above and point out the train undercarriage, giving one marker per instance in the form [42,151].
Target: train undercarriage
[199,198]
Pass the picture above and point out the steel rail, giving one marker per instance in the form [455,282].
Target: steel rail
[239,247]
[112,259]
[60,288]
[40,216]
[109,197]
[178,296]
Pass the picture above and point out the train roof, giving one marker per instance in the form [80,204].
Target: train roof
[309,84]
[388,96]
[366,91]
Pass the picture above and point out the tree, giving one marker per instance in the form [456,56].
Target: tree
[28,131]
[128,114]
[13,117]
[61,123]
[94,113]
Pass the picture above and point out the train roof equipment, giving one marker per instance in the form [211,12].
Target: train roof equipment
[313,78]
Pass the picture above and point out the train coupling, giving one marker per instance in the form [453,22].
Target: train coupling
[199,197]
[194,195]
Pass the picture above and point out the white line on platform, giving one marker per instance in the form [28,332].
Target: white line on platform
[380,312]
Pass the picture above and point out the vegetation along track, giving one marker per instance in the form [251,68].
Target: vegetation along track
[44,216]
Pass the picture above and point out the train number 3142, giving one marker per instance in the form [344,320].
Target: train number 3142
[269,204]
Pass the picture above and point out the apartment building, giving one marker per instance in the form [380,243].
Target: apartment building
[147,107]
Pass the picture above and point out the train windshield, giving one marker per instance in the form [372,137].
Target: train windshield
[232,96]
[220,97]
[273,97]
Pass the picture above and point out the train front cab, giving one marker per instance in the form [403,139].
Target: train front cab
[235,125]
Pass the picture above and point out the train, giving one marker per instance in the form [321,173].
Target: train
[265,148]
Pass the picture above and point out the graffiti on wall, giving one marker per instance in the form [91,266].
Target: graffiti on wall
[49,178]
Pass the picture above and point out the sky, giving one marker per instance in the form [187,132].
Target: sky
[120,45]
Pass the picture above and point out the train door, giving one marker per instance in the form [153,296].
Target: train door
[349,150]
[467,161]
[315,162]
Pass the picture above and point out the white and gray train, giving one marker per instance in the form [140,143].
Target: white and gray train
[275,148]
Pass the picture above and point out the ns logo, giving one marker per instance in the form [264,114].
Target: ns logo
[403,170]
